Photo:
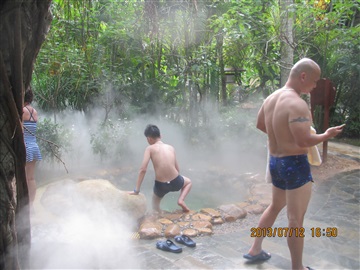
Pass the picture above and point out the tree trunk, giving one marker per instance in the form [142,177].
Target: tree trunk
[287,11]
[23,26]
[219,48]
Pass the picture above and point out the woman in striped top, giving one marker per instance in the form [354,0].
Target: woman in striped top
[30,117]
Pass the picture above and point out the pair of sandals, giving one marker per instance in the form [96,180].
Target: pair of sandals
[170,246]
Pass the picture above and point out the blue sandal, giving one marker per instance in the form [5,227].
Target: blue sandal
[168,245]
[185,240]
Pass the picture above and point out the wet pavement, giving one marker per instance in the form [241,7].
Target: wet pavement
[334,208]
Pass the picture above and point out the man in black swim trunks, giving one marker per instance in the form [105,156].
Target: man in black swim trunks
[286,119]
[166,169]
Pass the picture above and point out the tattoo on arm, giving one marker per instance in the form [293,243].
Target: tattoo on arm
[299,119]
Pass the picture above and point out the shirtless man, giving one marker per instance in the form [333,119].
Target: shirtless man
[166,170]
[286,119]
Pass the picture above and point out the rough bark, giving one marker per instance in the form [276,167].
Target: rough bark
[286,36]
[23,27]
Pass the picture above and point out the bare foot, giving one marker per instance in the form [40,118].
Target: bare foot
[183,206]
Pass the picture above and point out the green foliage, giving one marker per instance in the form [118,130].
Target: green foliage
[110,139]
[53,140]
[133,57]
[329,33]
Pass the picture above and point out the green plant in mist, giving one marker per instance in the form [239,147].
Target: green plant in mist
[241,123]
[135,57]
[53,140]
[109,140]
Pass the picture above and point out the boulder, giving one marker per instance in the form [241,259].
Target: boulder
[212,212]
[109,196]
[172,230]
[150,230]
[231,212]
[57,197]
[92,195]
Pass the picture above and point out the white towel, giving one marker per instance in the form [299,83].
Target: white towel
[313,153]
[268,178]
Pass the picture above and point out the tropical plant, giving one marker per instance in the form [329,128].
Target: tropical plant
[150,57]
[53,140]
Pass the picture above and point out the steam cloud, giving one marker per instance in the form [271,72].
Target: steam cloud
[214,159]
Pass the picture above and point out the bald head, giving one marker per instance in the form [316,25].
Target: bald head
[304,65]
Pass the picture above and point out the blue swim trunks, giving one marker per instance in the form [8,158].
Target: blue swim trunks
[162,188]
[290,172]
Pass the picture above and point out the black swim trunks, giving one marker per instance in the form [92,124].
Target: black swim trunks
[162,188]
[290,172]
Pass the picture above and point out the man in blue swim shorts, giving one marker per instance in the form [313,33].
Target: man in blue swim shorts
[290,172]
[166,169]
[286,119]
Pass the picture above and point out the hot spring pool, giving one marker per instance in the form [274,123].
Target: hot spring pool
[210,188]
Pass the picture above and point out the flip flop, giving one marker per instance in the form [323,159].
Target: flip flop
[308,267]
[262,256]
[185,240]
[168,245]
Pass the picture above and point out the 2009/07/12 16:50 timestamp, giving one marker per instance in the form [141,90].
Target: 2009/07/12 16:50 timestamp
[296,232]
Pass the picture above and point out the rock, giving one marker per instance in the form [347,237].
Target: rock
[67,196]
[58,197]
[190,232]
[172,230]
[165,221]
[205,231]
[150,230]
[217,221]
[242,204]
[255,209]
[201,217]
[211,212]
[229,218]
[231,212]
[173,216]
[265,202]
[183,224]
[187,217]
[106,194]
[201,224]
